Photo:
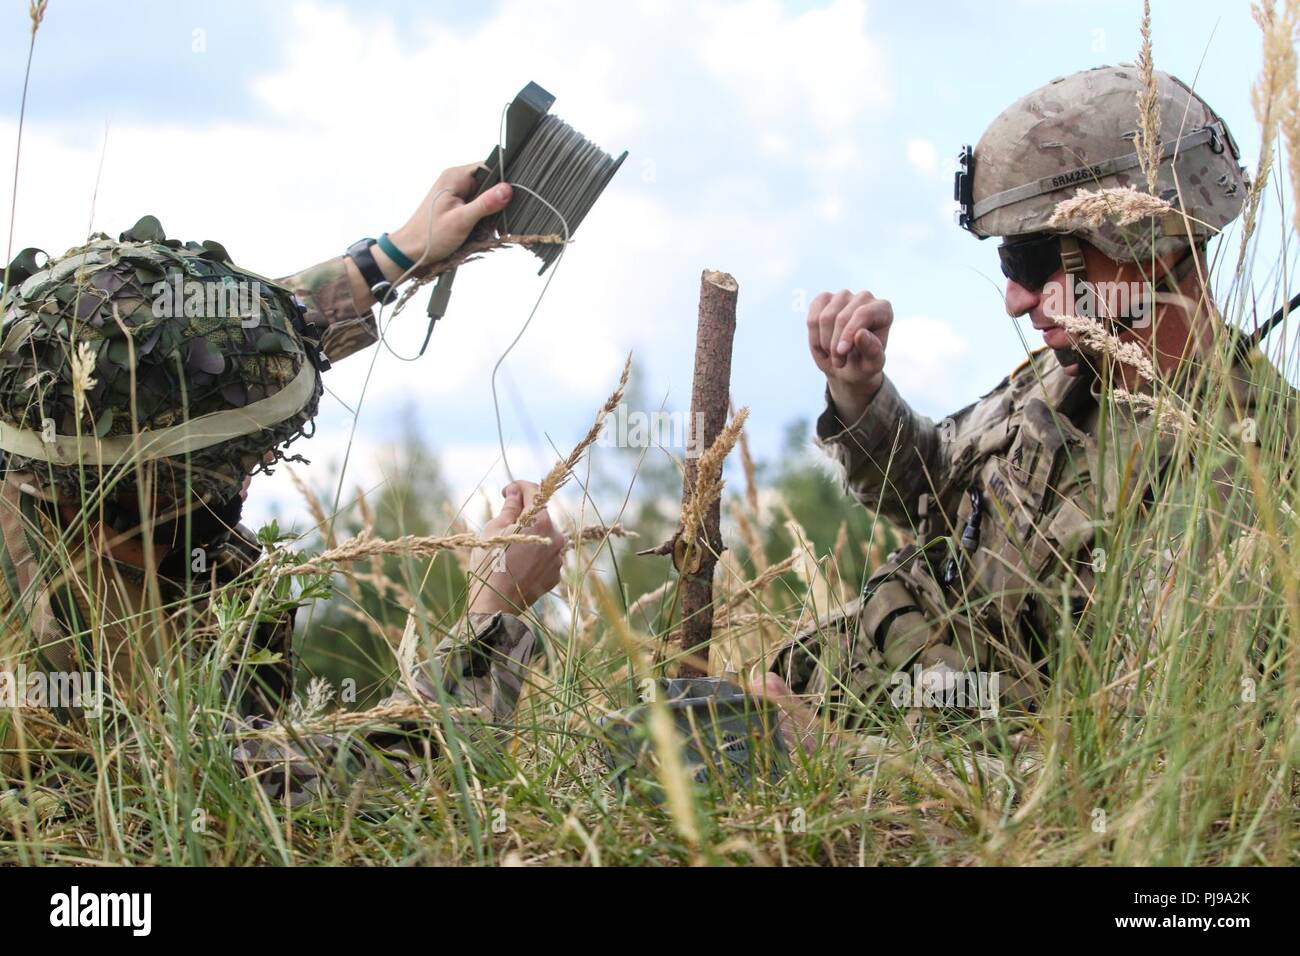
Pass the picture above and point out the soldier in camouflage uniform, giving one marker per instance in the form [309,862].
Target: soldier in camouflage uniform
[1006,497]
[143,382]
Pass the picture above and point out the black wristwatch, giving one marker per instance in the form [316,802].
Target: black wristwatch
[360,253]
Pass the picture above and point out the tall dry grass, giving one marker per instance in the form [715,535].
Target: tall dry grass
[1168,734]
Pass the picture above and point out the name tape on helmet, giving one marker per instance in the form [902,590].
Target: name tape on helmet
[1088,174]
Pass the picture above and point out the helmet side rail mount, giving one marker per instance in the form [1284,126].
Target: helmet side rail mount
[1080,130]
[559,170]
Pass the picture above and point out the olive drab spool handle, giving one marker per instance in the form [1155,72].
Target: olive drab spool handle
[522,117]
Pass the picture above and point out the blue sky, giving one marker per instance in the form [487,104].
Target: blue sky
[799,146]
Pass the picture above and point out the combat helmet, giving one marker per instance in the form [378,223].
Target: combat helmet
[150,353]
[1077,132]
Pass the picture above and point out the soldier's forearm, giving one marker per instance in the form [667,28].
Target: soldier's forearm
[851,405]
[889,453]
[328,292]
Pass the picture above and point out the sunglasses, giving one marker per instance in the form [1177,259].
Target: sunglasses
[1029,261]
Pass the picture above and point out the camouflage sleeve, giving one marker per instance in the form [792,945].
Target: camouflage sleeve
[483,667]
[890,456]
[326,291]
[482,670]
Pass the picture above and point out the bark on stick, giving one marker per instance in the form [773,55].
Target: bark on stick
[710,396]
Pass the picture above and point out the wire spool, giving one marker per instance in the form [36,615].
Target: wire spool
[560,175]
[562,167]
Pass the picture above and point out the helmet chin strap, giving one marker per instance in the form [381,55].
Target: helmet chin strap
[1075,266]
[1068,357]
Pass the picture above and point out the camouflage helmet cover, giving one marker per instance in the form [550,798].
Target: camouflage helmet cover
[1078,132]
[147,349]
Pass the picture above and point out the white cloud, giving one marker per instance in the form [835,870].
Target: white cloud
[923,354]
[922,154]
[338,159]
[822,63]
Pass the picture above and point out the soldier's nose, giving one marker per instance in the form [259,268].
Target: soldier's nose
[1019,300]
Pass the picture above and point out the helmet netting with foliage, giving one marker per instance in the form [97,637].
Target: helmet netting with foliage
[146,333]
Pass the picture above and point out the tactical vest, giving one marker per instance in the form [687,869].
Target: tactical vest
[1004,549]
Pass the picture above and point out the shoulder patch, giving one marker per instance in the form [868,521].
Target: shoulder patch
[1017,371]
[1029,360]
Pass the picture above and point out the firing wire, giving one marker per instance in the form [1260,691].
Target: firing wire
[532,159]
[382,330]
[496,402]
[370,370]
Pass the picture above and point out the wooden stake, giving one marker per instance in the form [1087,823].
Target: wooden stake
[710,398]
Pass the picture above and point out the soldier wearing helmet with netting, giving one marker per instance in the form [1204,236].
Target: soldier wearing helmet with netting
[143,383]
[1008,499]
